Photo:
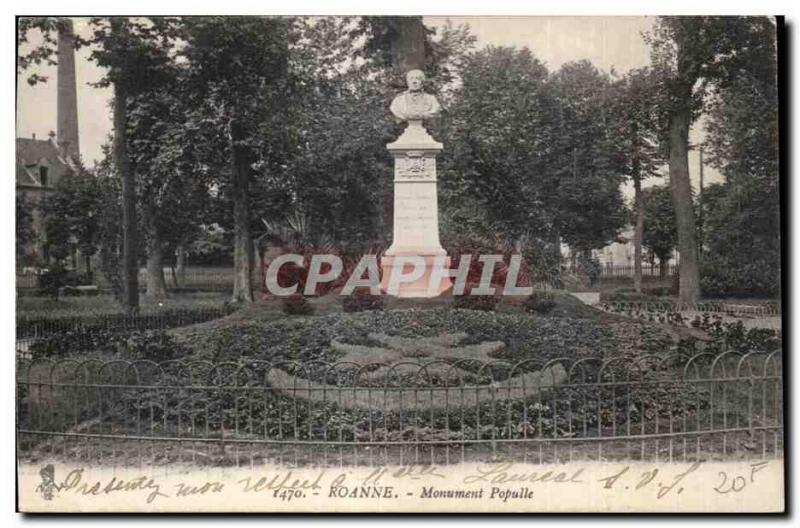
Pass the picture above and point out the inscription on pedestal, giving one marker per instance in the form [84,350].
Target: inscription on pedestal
[416,214]
[415,165]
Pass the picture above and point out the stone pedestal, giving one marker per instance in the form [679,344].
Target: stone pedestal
[416,212]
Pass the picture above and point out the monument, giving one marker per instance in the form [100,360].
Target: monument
[416,213]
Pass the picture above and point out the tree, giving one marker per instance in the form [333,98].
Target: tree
[135,54]
[25,235]
[132,52]
[692,56]
[494,172]
[635,128]
[333,169]
[172,187]
[72,212]
[587,160]
[396,41]
[742,226]
[660,233]
[237,71]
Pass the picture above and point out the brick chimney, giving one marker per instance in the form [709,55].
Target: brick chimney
[67,92]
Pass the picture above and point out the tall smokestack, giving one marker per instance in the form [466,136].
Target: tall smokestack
[67,92]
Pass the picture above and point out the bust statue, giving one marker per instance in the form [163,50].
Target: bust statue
[414,104]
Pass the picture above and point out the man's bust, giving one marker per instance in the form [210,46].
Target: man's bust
[414,104]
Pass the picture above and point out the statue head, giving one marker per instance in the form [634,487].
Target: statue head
[414,80]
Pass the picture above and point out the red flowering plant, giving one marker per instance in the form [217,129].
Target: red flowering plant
[302,261]
[476,247]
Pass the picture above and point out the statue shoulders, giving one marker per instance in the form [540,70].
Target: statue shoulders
[406,103]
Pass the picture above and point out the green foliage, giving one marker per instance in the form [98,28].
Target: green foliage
[694,57]
[540,302]
[296,305]
[483,303]
[495,174]
[41,54]
[337,172]
[739,276]
[588,161]
[110,235]
[149,345]
[172,191]
[635,120]
[735,337]
[362,301]
[24,235]
[531,156]
[660,231]
[389,41]
[308,340]
[742,220]
[52,280]
[73,213]
[589,267]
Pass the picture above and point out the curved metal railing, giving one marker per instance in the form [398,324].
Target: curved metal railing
[652,407]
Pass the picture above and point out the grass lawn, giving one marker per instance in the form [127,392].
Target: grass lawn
[30,306]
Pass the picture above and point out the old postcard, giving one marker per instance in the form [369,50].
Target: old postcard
[399,264]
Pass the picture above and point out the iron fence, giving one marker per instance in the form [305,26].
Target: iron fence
[27,280]
[197,278]
[83,330]
[627,270]
[722,308]
[141,413]
[200,278]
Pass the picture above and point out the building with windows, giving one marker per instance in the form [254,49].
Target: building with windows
[40,163]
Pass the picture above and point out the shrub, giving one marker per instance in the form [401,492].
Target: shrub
[155,346]
[475,245]
[540,302]
[659,291]
[51,281]
[296,305]
[735,337]
[675,286]
[152,345]
[484,303]
[590,267]
[360,302]
[626,294]
[759,278]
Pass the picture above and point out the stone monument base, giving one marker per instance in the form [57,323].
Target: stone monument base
[418,287]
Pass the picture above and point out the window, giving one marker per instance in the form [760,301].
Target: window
[43,176]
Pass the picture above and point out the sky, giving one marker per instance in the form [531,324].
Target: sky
[608,42]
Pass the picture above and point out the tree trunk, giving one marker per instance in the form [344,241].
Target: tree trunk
[557,281]
[156,285]
[179,277]
[130,265]
[638,231]
[409,48]
[258,267]
[680,120]
[242,254]
[663,266]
